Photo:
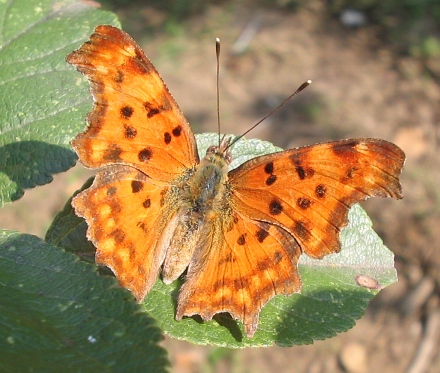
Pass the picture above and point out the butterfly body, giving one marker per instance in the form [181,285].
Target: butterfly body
[207,189]
[154,209]
[202,198]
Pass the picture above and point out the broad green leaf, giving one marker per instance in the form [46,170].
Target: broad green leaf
[330,302]
[58,315]
[44,100]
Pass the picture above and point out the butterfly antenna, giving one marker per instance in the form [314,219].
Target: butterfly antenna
[217,53]
[299,89]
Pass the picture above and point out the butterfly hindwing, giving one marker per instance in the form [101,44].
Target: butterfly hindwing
[244,265]
[125,214]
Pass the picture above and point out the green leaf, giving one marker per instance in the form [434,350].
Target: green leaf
[58,315]
[45,100]
[329,303]
[331,299]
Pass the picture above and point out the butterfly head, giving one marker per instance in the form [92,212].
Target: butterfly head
[221,151]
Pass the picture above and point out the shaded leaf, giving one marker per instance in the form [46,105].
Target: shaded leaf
[57,314]
[67,230]
[45,104]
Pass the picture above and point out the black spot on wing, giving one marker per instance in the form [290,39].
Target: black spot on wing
[299,161]
[261,235]
[126,111]
[271,179]
[320,191]
[142,226]
[151,109]
[303,203]
[350,173]
[275,207]
[129,132]
[301,172]
[241,240]
[268,168]
[136,186]
[177,131]
[145,155]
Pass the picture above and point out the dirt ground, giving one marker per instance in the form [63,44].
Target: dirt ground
[361,88]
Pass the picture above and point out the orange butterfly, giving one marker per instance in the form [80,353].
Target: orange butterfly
[156,208]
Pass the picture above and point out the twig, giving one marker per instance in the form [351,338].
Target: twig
[247,35]
[428,345]
[417,296]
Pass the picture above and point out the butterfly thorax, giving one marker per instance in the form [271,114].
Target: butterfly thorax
[207,186]
[202,202]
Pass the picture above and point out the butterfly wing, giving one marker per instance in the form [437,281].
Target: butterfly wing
[308,191]
[242,266]
[139,135]
[135,120]
[125,213]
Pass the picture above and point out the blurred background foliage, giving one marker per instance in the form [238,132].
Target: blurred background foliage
[411,26]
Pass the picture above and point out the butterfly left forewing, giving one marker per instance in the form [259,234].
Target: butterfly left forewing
[135,120]
[309,190]
[242,266]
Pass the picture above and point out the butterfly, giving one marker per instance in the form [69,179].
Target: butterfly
[156,210]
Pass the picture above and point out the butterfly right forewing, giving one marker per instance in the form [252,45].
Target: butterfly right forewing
[308,191]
